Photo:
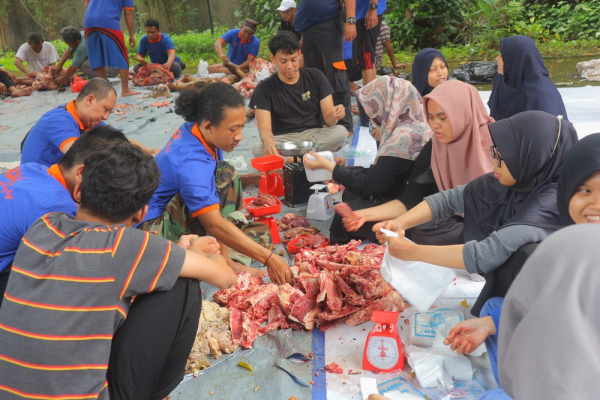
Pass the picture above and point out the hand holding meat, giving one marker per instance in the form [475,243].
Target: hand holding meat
[470,334]
[352,224]
[279,271]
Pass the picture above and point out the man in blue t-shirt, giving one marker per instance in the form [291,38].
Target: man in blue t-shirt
[242,48]
[54,133]
[31,190]
[161,49]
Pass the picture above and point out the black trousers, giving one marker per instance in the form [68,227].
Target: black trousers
[323,49]
[499,280]
[149,351]
[6,80]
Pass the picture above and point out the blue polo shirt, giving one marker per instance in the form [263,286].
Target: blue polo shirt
[50,134]
[28,192]
[239,51]
[105,13]
[187,165]
[159,49]
[312,12]
[362,6]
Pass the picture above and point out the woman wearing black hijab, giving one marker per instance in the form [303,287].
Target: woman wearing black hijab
[429,70]
[579,183]
[504,211]
[522,82]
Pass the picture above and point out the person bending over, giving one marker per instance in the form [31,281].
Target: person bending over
[80,61]
[242,48]
[292,104]
[54,133]
[161,49]
[32,190]
[38,54]
[196,185]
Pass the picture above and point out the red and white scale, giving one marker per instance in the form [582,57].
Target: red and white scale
[384,350]
[270,183]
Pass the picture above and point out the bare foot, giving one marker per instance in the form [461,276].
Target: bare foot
[129,92]
[258,273]
[23,92]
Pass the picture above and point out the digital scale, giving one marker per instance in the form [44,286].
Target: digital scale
[384,351]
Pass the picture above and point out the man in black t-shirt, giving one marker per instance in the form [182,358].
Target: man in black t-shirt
[295,104]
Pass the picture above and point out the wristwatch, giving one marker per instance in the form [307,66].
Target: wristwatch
[351,20]
[373,6]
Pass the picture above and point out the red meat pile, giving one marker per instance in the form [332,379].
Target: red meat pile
[311,242]
[332,284]
[262,200]
[293,233]
[152,74]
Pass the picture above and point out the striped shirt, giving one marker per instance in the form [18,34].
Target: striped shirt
[384,36]
[69,291]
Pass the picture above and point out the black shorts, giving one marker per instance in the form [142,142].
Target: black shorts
[363,49]
[6,80]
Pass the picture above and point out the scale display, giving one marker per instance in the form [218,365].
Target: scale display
[384,351]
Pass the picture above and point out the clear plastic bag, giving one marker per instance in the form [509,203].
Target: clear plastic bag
[264,73]
[202,69]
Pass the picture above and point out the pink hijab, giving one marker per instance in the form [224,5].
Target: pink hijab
[468,156]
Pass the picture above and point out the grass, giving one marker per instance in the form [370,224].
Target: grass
[194,46]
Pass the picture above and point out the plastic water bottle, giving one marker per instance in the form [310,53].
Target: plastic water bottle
[320,174]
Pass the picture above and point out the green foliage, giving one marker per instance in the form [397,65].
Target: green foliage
[422,23]
[262,11]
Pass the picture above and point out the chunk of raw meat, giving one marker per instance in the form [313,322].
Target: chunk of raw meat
[45,80]
[263,200]
[288,296]
[152,74]
[304,311]
[295,232]
[329,291]
[334,368]
[309,283]
[391,302]
[311,241]
[372,285]
[289,221]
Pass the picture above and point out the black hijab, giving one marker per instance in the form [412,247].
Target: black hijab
[525,84]
[526,143]
[582,161]
[420,70]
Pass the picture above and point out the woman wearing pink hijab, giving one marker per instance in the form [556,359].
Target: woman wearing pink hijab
[461,152]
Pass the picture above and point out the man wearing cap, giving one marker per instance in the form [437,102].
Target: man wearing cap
[322,27]
[243,47]
[287,9]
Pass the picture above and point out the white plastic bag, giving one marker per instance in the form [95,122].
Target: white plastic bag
[418,282]
[202,69]
[264,73]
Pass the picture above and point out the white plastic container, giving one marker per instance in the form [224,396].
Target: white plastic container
[321,174]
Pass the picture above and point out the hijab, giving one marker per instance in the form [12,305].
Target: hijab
[550,322]
[468,156]
[420,70]
[582,161]
[525,84]
[528,145]
[397,105]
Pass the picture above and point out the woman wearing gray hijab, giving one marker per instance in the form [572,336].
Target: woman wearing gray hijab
[550,324]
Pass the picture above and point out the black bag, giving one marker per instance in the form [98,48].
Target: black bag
[478,72]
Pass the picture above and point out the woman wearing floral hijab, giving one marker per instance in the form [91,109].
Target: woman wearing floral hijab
[396,105]
[460,153]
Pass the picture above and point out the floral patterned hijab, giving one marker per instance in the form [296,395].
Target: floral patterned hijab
[397,106]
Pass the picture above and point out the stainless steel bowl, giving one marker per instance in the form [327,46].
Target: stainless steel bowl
[296,149]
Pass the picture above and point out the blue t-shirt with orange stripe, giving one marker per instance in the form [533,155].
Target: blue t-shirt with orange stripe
[158,49]
[69,290]
[187,165]
[105,13]
[26,193]
[50,134]
[238,50]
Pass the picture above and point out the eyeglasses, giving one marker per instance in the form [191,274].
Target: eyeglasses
[496,156]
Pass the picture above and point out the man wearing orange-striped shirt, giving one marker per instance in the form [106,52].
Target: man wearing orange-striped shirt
[71,288]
